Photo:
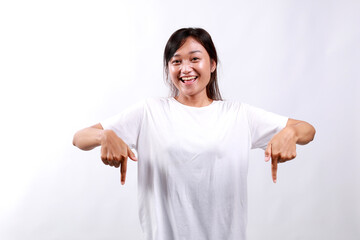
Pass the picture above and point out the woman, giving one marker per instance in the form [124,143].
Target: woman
[193,147]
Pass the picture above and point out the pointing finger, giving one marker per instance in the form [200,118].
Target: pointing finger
[123,171]
[274,166]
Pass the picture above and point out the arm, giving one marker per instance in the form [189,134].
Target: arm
[88,138]
[303,131]
[282,147]
[114,151]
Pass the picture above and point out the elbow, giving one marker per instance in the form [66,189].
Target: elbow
[80,142]
[77,141]
[74,141]
[308,133]
[79,145]
[313,132]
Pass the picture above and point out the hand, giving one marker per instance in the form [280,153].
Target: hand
[115,152]
[281,148]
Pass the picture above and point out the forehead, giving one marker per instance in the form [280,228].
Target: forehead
[190,46]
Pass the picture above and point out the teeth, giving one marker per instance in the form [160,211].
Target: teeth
[188,78]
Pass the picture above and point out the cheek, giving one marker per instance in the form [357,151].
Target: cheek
[173,72]
[205,69]
[201,65]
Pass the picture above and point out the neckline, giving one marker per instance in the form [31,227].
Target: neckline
[191,107]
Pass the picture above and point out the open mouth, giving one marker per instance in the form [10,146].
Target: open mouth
[188,80]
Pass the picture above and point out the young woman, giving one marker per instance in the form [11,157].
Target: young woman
[193,147]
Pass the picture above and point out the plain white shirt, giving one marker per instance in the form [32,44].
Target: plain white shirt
[193,163]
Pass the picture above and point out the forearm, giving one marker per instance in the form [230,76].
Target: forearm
[88,138]
[303,131]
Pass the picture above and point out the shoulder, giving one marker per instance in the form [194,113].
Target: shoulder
[157,101]
[157,105]
[237,104]
[232,105]
[242,109]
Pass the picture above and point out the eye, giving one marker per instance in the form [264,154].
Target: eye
[194,59]
[175,62]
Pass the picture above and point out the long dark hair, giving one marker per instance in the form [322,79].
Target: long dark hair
[176,40]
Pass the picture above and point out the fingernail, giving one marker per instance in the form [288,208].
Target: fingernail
[122,182]
[267,158]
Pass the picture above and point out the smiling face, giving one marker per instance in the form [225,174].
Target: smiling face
[190,70]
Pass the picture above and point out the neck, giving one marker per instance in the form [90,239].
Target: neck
[194,101]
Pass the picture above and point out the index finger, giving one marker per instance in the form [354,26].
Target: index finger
[274,166]
[123,171]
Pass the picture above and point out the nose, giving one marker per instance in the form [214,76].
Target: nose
[186,67]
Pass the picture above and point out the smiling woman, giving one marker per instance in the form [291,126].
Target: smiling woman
[190,69]
[190,52]
[193,148]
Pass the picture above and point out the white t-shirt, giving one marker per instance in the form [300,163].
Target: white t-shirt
[193,163]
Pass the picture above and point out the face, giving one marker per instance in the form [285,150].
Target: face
[190,69]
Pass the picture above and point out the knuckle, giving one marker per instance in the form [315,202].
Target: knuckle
[275,154]
[104,160]
[290,156]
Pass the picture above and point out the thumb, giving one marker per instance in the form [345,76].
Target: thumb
[131,155]
[268,152]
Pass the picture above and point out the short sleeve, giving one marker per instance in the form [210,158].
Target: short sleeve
[127,124]
[263,125]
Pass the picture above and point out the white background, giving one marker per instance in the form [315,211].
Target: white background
[65,65]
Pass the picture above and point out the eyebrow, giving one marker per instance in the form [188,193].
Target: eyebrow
[195,51]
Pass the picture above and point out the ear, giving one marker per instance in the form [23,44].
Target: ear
[213,66]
